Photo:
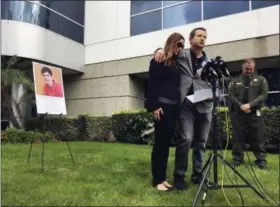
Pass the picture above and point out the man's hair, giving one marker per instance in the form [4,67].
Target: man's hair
[46,70]
[248,60]
[192,33]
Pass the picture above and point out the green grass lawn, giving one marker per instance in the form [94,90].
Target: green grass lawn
[109,174]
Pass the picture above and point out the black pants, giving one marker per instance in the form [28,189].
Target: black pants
[164,130]
[254,124]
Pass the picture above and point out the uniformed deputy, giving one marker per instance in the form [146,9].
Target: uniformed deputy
[247,94]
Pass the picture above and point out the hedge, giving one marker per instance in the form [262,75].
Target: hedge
[83,128]
[18,136]
[136,126]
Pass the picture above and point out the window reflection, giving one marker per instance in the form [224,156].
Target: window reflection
[145,23]
[262,4]
[213,9]
[166,3]
[182,14]
[143,6]
[41,16]
[73,9]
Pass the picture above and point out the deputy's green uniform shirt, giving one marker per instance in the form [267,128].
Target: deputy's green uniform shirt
[257,91]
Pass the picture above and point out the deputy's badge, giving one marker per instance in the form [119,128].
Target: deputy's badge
[258,113]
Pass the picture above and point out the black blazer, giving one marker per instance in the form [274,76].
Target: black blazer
[163,81]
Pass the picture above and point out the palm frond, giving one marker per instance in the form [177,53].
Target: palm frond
[14,76]
[12,61]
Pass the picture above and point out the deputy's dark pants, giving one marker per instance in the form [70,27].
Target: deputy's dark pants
[164,130]
[254,124]
[194,127]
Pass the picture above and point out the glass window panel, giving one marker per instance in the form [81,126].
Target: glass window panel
[262,4]
[166,3]
[71,9]
[213,9]
[182,14]
[5,9]
[272,76]
[143,6]
[145,23]
[35,14]
[65,27]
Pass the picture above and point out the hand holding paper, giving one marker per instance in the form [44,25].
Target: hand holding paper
[201,95]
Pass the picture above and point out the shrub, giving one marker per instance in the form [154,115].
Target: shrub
[65,128]
[133,126]
[83,128]
[15,136]
[136,126]
[96,128]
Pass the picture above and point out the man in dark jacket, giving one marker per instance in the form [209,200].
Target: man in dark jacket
[247,94]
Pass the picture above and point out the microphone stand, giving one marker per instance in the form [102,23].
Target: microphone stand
[205,184]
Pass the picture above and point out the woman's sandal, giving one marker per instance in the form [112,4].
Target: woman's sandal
[162,187]
[167,185]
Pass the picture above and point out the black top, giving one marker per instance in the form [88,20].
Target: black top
[196,64]
[164,81]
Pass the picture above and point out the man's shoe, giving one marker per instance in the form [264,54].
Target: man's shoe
[261,164]
[196,180]
[180,184]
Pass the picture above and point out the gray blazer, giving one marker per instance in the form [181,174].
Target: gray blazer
[184,62]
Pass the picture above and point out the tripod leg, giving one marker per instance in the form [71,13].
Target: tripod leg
[246,181]
[206,164]
[43,148]
[29,152]
[209,162]
[70,153]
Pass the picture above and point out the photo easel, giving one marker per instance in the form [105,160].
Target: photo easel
[43,140]
[50,99]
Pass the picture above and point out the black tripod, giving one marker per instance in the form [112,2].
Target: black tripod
[213,159]
[43,139]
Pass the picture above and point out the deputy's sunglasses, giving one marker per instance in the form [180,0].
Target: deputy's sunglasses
[180,45]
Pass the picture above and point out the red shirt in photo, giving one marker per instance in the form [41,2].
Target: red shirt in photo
[54,90]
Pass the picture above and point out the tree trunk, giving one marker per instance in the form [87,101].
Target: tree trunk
[6,101]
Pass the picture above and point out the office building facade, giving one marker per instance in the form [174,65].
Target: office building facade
[104,47]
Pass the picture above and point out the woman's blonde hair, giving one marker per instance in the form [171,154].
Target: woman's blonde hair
[169,47]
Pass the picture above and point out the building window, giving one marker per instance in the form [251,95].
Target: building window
[214,9]
[145,23]
[181,14]
[262,4]
[144,6]
[33,13]
[168,3]
[176,13]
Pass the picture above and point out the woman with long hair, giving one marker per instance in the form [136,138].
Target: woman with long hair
[162,100]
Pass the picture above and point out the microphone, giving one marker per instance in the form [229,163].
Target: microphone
[222,66]
[214,68]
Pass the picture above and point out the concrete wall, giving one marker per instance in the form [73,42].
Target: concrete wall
[107,30]
[108,87]
[34,42]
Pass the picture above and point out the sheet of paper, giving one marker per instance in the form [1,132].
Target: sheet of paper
[200,95]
